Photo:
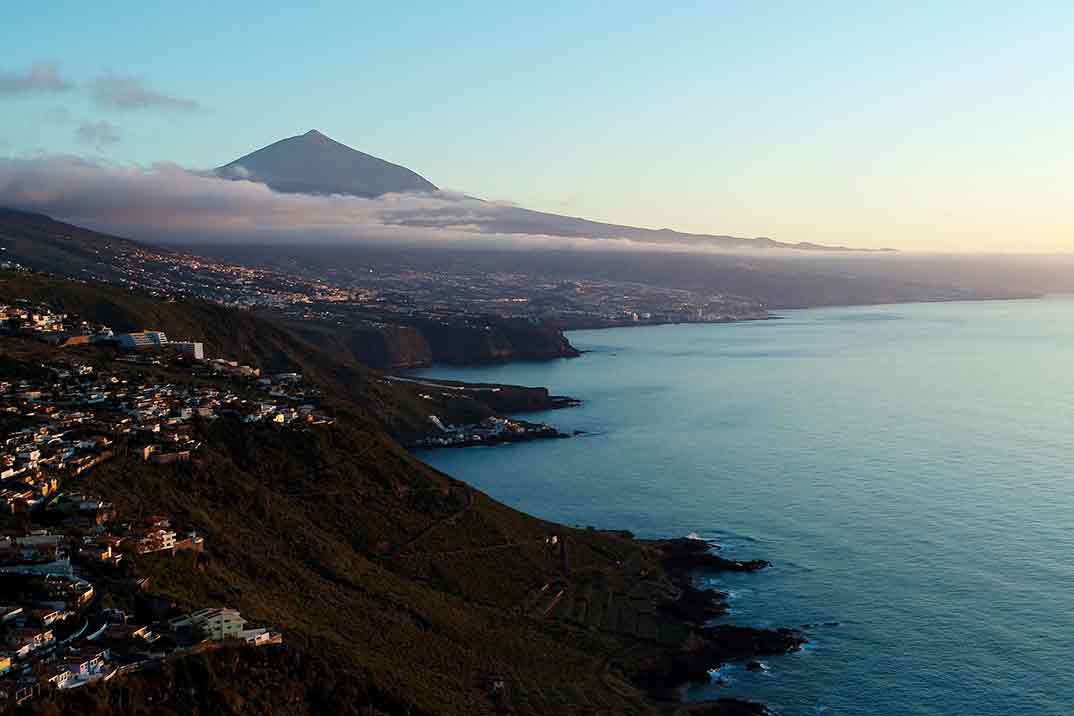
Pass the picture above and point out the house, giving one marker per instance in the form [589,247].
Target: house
[194,349]
[213,623]
[85,662]
[156,540]
[129,633]
[18,690]
[261,637]
[48,617]
[58,675]
[170,458]
[29,639]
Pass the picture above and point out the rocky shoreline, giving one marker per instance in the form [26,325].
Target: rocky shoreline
[706,646]
[709,646]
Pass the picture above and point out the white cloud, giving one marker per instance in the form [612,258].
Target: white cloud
[166,202]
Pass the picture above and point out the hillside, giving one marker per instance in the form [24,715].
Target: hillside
[42,243]
[398,589]
[415,590]
[326,358]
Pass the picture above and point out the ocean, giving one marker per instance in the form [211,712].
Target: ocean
[908,470]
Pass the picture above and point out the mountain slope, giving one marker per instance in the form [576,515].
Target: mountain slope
[315,164]
[517,220]
[312,163]
[44,244]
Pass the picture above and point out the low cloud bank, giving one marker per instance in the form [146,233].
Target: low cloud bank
[168,203]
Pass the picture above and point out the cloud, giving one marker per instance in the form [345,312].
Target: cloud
[126,92]
[39,78]
[237,171]
[98,134]
[165,202]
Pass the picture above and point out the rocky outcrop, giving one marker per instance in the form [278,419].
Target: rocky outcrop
[421,341]
[493,340]
[685,554]
[391,347]
[710,647]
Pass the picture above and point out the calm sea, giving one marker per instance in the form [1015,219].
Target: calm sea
[909,470]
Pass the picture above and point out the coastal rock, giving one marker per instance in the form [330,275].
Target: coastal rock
[697,606]
[685,553]
[711,647]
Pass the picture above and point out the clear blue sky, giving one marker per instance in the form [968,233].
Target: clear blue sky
[921,125]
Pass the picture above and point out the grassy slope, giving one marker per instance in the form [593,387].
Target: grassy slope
[315,532]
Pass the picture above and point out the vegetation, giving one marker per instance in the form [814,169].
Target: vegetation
[398,589]
[378,568]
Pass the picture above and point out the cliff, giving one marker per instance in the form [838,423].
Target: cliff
[492,340]
[417,342]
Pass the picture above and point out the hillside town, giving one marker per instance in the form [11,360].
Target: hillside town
[64,412]
[58,631]
[66,418]
[372,289]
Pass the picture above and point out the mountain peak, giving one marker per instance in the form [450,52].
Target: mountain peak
[313,163]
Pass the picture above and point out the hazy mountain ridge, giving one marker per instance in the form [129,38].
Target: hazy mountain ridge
[313,163]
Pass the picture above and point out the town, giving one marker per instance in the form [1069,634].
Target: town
[82,396]
[374,289]
[492,430]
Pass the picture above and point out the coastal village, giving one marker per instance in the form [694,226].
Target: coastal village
[492,430]
[63,548]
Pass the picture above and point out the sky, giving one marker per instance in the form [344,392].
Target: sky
[920,126]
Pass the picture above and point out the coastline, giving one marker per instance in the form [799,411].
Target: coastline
[684,606]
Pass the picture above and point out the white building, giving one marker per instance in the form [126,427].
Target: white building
[194,349]
[214,623]
[142,339]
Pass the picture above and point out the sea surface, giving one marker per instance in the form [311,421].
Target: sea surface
[909,470]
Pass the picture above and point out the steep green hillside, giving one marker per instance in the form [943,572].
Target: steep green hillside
[411,585]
